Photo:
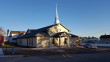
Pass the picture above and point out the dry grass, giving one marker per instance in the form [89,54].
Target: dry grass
[46,52]
[9,46]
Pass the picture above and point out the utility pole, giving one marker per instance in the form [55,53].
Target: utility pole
[7,38]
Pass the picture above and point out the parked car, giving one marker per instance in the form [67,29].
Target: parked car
[88,46]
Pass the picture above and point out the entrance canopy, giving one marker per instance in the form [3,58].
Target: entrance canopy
[61,34]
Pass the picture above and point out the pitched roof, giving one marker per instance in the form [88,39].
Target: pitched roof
[59,34]
[19,35]
[72,35]
[35,32]
[63,26]
[105,36]
[17,32]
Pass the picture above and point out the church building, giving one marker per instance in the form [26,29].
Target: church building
[56,35]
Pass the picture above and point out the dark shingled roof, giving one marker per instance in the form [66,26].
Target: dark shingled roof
[40,31]
[19,35]
[58,34]
[34,32]
[105,36]
[72,35]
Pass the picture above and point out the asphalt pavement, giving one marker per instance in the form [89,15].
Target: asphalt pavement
[93,57]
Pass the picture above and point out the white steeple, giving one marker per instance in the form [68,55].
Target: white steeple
[56,17]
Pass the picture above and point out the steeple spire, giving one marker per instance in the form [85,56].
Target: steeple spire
[56,18]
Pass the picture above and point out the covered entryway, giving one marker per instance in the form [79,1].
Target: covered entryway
[61,39]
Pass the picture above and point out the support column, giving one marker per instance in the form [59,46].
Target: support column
[50,40]
[68,41]
[36,42]
[60,41]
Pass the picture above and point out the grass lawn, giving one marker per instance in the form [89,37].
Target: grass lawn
[104,49]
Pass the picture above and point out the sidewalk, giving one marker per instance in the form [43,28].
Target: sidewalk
[1,52]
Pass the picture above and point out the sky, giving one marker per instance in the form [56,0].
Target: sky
[81,17]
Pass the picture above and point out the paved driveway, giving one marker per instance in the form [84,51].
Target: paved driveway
[93,57]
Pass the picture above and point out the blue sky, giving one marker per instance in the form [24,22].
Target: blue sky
[81,17]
